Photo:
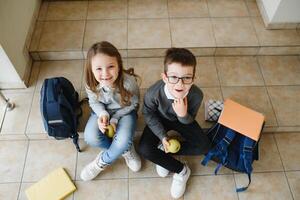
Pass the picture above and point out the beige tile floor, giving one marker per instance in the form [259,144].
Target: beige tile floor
[135,26]
[270,86]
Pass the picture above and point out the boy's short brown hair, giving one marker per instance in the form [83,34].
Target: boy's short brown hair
[180,55]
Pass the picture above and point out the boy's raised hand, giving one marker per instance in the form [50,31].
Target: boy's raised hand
[180,107]
[102,123]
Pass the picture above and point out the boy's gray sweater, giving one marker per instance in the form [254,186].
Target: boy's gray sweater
[157,106]
[108,101]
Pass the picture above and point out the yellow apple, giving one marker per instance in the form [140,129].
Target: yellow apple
[110,131]
[174,146]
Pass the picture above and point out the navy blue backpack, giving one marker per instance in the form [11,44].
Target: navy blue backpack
[232,150]
[60,109]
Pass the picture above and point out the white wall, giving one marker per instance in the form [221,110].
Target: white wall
[282,11]
[8,73]
[287,11]
[270,7]
[15,20]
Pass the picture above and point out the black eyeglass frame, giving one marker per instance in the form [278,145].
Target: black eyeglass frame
[180,78]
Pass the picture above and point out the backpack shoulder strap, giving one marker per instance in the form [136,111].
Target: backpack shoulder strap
[220,150]
[50,85]
[246,158]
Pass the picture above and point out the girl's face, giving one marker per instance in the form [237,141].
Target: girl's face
[105,69]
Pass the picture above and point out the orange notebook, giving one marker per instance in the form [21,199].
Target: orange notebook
[242,119]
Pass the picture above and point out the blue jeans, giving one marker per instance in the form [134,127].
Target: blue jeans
[121,141]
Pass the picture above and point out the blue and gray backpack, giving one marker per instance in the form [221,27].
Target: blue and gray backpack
[60,109]
[232,150]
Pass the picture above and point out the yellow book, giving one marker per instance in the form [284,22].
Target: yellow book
[55,186]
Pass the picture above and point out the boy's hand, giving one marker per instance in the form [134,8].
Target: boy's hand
[165,143]
[180,107]
[102,123]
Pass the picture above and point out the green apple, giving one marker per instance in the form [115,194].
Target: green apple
[174,146]
[110,131]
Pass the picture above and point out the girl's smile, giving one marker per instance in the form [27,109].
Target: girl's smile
[105,69]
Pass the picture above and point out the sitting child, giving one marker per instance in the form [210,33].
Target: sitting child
[114,98]
[172,104]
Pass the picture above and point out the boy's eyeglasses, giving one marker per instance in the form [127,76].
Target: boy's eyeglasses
[175,79]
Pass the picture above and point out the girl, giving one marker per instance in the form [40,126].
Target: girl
[114,98]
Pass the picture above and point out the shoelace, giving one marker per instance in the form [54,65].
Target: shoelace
[178,178]
[93,169]
[129,155]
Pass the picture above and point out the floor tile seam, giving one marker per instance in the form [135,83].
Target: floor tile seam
[267,90]
[100,179]
[9,182]
[31,104]
[216,47]
[3,118]
[84,32]
[28,115]
[37,76]
[23,170]
[248,9]
[169,24]
[219,79]
[284,168]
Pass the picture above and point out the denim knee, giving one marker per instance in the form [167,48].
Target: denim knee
[123,138]
[98,141]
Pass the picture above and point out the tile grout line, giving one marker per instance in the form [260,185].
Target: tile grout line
[218,75]
[248,9]
[284,168]
[234,179]
[84,31]
[266,88]
[75,177]
[169,22]
[28,115]
[13,182]
[82,47]
[255,31]
[169,176]
[149,18]
[2,120]
[213,29]
[23,171]
[37,76]
[34,93]
[257,37]
[43,28]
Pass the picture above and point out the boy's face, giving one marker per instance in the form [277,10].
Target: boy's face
[185,74]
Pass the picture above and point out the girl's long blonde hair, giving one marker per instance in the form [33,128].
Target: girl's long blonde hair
[108,49]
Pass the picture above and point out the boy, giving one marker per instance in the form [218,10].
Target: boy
[172,104]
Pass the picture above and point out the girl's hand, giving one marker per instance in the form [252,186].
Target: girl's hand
[102,123]
[114,126]
[180,107]
[165,144]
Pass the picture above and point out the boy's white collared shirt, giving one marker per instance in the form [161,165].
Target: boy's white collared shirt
[169,95]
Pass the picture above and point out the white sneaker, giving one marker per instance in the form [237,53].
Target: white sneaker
[162,172]
[132,159]
[90,171]
[179,182]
